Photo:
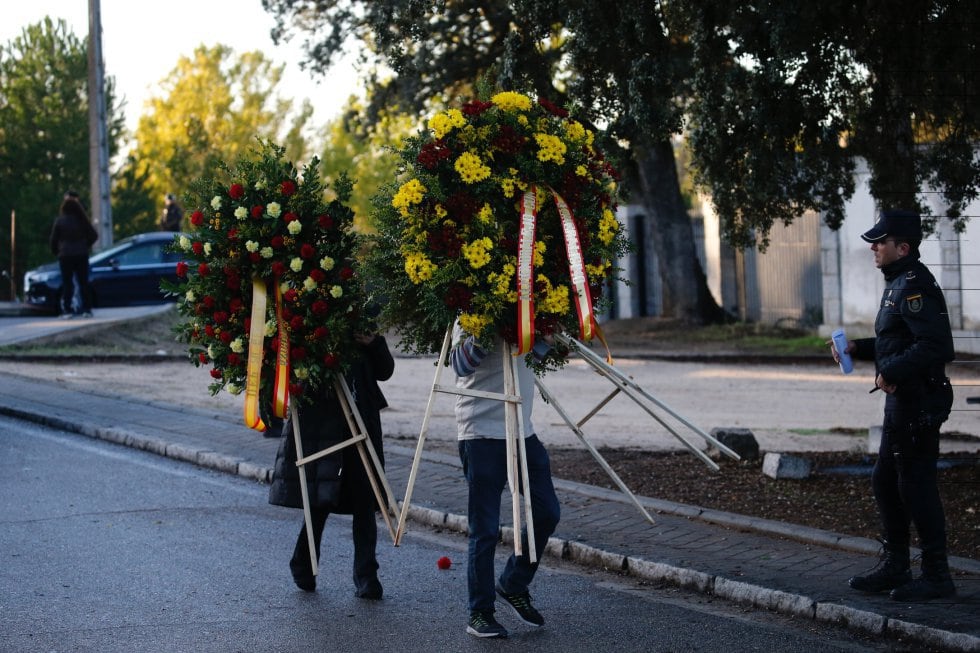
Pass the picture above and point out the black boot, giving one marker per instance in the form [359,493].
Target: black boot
[891,572]
[934,583]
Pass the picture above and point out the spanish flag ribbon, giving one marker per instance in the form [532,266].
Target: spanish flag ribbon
[280,387]
[525,272]
[253,375]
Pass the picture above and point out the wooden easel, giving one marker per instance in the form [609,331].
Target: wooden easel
[369,458]
[514,437]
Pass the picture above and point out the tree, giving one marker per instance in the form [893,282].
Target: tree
[560,49]
[790,95]
[214,105]
[44,132]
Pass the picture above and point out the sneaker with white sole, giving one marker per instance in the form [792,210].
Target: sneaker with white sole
[521,605]
[482,624]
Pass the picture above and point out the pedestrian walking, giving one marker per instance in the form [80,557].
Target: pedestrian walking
[912,344]
[481,432]
[337,483]
[71,240]
[172,214]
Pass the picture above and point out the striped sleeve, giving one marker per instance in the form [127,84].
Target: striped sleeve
[466,357]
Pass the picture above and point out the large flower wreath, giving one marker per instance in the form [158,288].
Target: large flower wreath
[266,243]
[504,219]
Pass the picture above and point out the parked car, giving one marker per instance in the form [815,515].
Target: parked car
[126,274]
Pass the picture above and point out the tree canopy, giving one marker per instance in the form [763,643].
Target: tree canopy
[44,133]
[557,49]
[212,107]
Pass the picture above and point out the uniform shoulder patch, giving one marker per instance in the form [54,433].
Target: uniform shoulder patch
[914,302]
[910,275]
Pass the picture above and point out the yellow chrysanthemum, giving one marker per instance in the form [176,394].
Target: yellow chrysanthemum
[478,252]
[411,192]
[418,267]
[486,214]
[555,298]
[608,226]
[503,282]
[539,249]
[471,168]
[510,101]
[473,324]
[444,122]
[550,148]
[575,131]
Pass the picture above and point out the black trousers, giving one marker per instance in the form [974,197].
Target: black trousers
[905,483]
[365,534]
[74,267]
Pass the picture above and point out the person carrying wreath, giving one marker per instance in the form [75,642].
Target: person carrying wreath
[337,483]
[481,432]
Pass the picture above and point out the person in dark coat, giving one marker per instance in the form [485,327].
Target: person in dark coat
[72,237]
[172,214]
[337,483]
[912,344]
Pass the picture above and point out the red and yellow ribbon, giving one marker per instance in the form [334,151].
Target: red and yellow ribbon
[256,347]
[256,334]
[525,271]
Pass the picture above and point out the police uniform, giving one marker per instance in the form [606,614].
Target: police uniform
[912,344]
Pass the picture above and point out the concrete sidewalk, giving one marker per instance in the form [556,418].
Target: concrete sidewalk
[778,566]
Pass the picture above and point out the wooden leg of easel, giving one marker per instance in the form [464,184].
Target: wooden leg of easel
[403,515]
[511,428]
[304,491]
[592,450]
[372,465]
[532,552]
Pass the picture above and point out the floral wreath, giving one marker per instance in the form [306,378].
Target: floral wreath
[268,251]
[505,220]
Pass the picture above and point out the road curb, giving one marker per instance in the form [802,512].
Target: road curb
[578,552]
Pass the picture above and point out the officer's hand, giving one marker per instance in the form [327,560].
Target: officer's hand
[887,387]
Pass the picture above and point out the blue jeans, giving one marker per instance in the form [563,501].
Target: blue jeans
[485,469]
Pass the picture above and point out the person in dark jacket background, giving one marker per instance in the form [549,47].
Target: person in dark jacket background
[72,237]
[913,342]
[337,483]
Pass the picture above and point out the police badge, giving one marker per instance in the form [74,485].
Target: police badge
[915,303]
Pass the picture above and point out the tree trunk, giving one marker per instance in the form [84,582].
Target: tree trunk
[686,295]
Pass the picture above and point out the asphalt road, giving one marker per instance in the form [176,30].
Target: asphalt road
[109,549]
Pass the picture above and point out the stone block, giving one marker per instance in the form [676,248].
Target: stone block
[741,441]
[780,465]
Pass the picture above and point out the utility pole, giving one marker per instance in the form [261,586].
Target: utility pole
[98,138]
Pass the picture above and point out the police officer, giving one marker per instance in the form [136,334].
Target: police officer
[912,344]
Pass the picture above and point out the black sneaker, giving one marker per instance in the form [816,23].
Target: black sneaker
[482,624]
[521,605]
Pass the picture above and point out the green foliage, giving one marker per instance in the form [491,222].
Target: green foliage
[213,107]
[44,142]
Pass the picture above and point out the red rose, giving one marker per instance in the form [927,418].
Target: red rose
[289,217]
[287,188]
[307,251]
[330,361]
[220,317]
[254,257]
[276,242]
[318,275]
[197,218]
[319,307]
[234,359]
[181,269]
[225,337]
[296,389]
[320,332]
[290,295]
[203,269]
[232,282]
[198,247]
[444,563]
[236,192]
[346,273]
[216,373]
[235,305]
[325,222]
[202,357]
[296,324]
[208,301]
[278,268]
[233,234]
[298,353]
[257,211]
[209,330]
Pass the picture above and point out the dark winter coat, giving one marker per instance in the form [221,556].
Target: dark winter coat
[72,235]
[913,340]
[338,482]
